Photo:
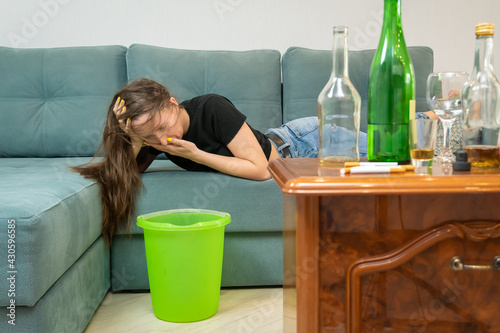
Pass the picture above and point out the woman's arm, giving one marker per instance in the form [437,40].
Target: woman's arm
[249,160]
[431,115]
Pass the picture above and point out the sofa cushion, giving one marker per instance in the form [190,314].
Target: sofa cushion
[53,102]
[306,72]
[250,79]
[70,303]
[57,216]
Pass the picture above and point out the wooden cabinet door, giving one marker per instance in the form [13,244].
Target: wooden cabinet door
[389,263]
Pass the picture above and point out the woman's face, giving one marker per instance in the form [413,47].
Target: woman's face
[164,124]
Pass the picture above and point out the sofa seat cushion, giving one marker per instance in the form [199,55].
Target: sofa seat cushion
[254,206]
[57,216]
[306,72]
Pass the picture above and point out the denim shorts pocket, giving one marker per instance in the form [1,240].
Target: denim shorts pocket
[302,126]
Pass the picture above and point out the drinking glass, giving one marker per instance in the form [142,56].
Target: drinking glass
[422,141]
[444,91]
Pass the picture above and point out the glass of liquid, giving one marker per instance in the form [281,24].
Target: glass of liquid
[484,156]
[481,125]
[422,141]
[444,97]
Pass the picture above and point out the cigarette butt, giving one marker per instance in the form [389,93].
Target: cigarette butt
[398,169]
[408,167]
[146,144]
[169,139]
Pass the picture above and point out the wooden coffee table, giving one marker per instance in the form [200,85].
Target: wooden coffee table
[389,252]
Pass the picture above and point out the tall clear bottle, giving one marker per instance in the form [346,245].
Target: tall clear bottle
[391,91]
[339,106]
[481,104]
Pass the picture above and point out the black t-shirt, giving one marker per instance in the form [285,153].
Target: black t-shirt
[213,123]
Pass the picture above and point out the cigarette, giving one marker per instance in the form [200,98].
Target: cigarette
[355,164]
[372,169]
[408,167]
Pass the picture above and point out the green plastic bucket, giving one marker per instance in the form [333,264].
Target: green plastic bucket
[184,250]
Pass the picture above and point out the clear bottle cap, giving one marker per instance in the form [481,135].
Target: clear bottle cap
[485,29]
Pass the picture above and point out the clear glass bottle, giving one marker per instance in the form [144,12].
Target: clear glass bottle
[339,106]
[481,104]
[391,91]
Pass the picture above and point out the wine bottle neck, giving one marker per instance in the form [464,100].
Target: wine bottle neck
[392,16]
[339,52]
[483,59]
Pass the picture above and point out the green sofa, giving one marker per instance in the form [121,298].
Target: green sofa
[53,103]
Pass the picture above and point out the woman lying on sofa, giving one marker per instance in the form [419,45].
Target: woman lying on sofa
[206,133]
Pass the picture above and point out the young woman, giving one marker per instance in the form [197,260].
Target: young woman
[206,133]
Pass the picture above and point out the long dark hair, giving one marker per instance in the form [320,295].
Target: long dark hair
[118,174]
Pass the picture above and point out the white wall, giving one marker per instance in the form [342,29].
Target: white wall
[445,25]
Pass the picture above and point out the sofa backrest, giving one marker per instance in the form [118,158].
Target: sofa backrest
[250,79]
[306,72]
[53,102]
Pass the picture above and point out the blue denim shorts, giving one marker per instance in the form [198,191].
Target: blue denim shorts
[301,136]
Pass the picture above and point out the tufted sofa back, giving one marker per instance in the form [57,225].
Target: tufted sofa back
[306,71]
[249,79]
[53,101]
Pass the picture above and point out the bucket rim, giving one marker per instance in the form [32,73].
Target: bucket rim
[142,220]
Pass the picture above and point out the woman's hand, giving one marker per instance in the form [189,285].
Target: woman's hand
[126,126]
[178,147]
[248,160]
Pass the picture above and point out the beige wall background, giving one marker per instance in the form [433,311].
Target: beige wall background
[445,25]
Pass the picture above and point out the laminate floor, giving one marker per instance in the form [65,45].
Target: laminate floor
[240,311]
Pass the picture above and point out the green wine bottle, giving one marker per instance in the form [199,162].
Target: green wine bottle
[391,91]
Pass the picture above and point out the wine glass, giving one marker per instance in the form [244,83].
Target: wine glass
[444,92]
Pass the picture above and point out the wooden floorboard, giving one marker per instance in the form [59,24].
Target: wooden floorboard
[240,311]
